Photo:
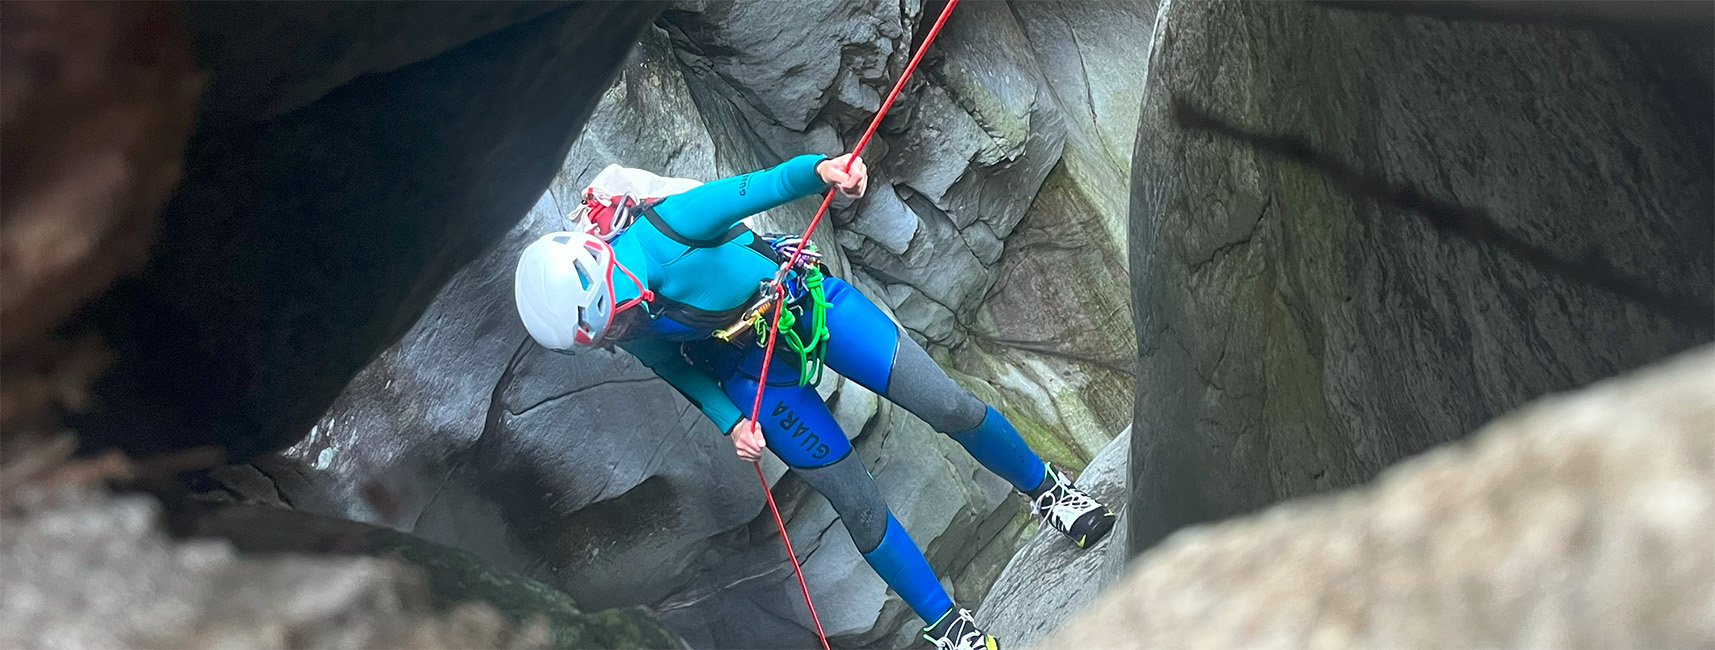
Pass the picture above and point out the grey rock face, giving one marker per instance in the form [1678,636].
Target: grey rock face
[1092,54]
[787,63]
[590,475]
[586,472]
[1295,337]
[959,166]
[1051,577]
[1579,521]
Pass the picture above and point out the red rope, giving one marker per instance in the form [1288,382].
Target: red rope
[780,299]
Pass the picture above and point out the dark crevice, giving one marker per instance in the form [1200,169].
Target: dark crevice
[275,483]
[1046,348]
[1452,219]
[555,398]
[1622,16]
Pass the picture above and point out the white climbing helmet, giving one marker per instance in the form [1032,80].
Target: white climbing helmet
[564,290]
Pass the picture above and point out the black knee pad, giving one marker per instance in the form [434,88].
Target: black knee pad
[848,486]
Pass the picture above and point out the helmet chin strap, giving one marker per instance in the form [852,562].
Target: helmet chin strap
[643,293]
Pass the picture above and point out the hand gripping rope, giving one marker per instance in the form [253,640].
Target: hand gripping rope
[780,298]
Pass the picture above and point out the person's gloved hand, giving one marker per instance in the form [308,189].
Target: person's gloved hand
[851,183]
[747,440]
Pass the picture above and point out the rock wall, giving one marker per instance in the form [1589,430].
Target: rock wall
[1358,235]
[1579,521]
[991,233]
[966,171]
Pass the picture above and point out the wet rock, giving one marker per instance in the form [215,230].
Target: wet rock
[1578,521]
[1051,577]
[1298,332]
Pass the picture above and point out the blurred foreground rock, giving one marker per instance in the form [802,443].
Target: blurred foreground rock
[1580,521]
[90,569]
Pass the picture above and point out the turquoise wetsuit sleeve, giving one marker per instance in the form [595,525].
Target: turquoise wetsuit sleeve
[709,210]
[703,392]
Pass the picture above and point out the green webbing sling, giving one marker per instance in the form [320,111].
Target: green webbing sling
[809,353]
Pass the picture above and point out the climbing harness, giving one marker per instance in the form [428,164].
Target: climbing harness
[779,300]
[803,283]
[802,286]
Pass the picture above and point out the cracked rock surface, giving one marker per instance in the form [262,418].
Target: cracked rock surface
[1297,336]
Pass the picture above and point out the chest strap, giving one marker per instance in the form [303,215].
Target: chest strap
[661,225]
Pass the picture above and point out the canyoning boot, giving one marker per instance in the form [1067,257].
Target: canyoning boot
[957,630]
[1071,510]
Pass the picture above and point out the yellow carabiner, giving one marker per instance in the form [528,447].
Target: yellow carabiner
[748,320]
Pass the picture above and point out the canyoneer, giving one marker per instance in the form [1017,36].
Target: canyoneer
[665,270]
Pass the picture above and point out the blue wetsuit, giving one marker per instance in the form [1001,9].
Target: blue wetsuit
[864,346]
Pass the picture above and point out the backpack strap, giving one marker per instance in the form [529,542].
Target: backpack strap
[661,225]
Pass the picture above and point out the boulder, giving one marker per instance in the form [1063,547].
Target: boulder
[85,568]
[1358,235]
[99,101]
[1051,577]
[1578,521]
[453,577]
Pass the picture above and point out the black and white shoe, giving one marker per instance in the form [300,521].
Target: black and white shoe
[1071,510]
[957,630]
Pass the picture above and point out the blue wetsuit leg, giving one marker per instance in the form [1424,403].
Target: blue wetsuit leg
[865,346]
[802,432]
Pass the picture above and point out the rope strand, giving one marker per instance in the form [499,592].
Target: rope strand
[780,303]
